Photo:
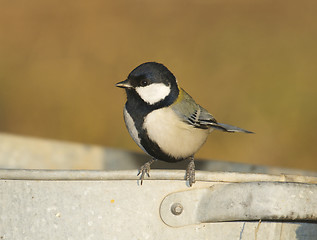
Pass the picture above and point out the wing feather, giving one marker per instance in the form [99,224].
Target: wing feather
[191,112]
[195,115]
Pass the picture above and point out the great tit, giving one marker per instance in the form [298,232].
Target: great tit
[164,120]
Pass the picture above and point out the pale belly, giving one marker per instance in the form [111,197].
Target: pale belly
[174,137]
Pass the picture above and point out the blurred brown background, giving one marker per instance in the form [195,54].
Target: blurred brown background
[250,63]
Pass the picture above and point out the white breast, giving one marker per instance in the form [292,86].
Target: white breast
[174,136]
[131,128]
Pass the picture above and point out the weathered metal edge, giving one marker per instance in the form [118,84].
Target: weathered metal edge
[91,175]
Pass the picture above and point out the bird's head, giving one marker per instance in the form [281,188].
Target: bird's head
[152,82]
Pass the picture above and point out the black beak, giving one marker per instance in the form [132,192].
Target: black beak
[124,84]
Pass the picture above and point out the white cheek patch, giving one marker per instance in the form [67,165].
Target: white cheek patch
[153,93]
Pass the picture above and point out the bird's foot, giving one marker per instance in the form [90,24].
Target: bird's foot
[190,172]
[145,169]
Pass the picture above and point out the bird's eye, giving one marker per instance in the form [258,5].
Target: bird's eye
[144,82]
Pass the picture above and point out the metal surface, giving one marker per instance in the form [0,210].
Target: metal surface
[81,204]
[247,201]
[177,175]
[118,209]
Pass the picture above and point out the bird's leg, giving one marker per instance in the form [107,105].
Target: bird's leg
[190,171]
[145,169]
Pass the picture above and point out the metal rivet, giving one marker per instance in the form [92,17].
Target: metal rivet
[177,208]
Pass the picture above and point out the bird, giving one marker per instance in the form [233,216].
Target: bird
[164,120]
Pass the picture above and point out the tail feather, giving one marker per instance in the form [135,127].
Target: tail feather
[229,128]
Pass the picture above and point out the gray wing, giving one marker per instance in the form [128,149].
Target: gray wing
[195,115]
[192,113]
[201,118]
